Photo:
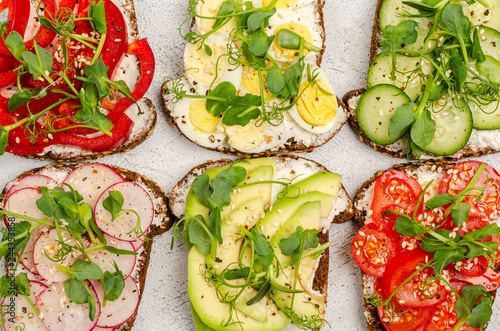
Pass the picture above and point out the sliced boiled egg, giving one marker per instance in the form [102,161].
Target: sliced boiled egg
[210,8]
[315,111]
[292,4]
[250,81]
[204,71]
[289,19]
[197,124]
[255,137]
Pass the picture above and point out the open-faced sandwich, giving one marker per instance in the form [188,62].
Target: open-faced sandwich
[72,79]
[433,83]
[428,246]
[77,241]
[252,81]
[258,233]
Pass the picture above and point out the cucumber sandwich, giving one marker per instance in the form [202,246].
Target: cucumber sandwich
[433,84]
[258,233]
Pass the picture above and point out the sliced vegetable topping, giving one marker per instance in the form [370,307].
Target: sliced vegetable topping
[434,271]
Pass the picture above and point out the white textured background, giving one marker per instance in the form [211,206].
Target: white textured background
[166,157]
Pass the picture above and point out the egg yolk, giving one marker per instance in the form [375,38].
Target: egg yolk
[314,106]
[210,8]
[248,137]
[201,119]
[300,30]
[280,3]
[250,81]
[204,66]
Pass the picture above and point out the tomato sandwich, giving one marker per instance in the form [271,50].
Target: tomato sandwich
[428,246]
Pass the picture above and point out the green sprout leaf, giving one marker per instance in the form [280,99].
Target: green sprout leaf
[113,203]
[223,90]
[98,15]
[15,44]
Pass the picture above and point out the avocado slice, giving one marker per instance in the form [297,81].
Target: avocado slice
[322,181]
[200,326]
[212,312]
[282,210]
[239,196]
[247,215]
[229,252]
[308,216]
[193,206]
[305,304]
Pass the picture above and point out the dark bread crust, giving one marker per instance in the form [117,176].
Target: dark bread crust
[320,281]
[128,10]
[290,146]
[351,105]
[371,314]
[161,209]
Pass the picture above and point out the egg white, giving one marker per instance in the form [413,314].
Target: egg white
[293,112]
[284,16]
[210,8]
[232,74]
[255,146]
[180,114]
[295,5]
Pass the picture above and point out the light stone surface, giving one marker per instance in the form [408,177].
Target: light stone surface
[167,156]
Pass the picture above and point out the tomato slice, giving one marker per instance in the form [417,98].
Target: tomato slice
[419,291]
[404,318]
[490,279]
[373,248]
[456,179]
[444,316]
[393,190]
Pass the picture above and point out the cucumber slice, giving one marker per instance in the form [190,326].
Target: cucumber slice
[391,13]
[490,41]
[479,15]
[490,68]
[375,109]
[453,129]
[487,116]
[407,79]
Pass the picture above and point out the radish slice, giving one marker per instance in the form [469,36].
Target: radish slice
[49,244]
[27,258]
[90,180]
[118,312]
[23,202]
[138,243]
[104,259]
[98,328]
[32,181]
[135,198]
[58,312]
[23,315]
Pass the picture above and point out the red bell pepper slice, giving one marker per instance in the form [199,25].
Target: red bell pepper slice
[119,134]
[18,18]
[116,37]
[144,53]
[44,36]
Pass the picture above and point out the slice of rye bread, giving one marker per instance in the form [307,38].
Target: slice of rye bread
[361,213]
[163,220]
[292,145]
[144,124]
[343,206]
[398,149]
